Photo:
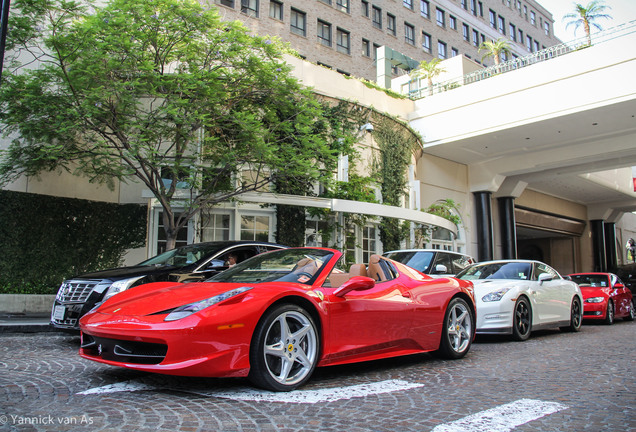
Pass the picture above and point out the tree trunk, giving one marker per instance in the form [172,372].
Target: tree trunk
[170,228]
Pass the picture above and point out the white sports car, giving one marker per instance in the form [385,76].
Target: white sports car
[518,296]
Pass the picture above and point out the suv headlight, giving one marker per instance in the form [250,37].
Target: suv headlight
[119,286]
[594,300]
[189,309]
[495,295]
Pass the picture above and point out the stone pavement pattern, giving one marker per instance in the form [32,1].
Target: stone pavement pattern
[591,372]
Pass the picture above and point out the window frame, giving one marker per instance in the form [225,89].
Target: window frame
[293,22]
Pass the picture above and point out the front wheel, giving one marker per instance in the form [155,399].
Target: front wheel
[576,316]
[522,320]
[609,313]
[458,330]
[284,349]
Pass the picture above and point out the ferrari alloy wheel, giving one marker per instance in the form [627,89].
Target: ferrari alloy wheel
[284,350]
[609,313]
[632,312]
[458,330]
[521,320]
[576,316]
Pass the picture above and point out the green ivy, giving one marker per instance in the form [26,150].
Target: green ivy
[46,239]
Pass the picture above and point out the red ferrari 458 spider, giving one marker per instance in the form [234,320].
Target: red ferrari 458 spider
[275,317]
[605,297]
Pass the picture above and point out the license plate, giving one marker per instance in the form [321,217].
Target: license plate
[58,313]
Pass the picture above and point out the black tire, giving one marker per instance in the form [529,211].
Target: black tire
[576,316]
[285,349]
[609,313]
[458,330]
[632,312]
[522,320]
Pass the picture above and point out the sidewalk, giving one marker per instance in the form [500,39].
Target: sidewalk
[25,323]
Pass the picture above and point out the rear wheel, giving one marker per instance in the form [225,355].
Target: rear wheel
[576,316]
[458,330]
[522,320]
[632,313]
[609,313]
[284,349]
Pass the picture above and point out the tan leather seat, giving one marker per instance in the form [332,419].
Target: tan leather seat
[357,270]
[374,270]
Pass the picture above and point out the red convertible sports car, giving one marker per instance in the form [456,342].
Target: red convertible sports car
[275,317]
[605,297]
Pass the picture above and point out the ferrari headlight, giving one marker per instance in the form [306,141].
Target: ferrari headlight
[189,309]
[594,300]
[495,295]
[119,286]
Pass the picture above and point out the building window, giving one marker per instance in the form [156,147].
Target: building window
[513,32]
[525,12]
[366,48]
[276,10]
[493,18]
[441,18]
[425,9]
[326,2]
[502,25]
[452,21]
[255,228]
[217,228]
[376,47]
[343,41]
[529,43]
[465,4]
[298,22]
[475,38]
[390,24]
[466,32]
[533,18]
[249,7]
[454,52]
[365,8]
[342,5]
[409,34]
[426,42]
[546,28]
[377,17]
[314,233]
[324,33]
[369,242]
[520,36]
[228,3]
[481,9]
[441,50]
[408,4]
[473,7]
[537,46]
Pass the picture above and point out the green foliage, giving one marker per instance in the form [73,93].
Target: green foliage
[158,90]
[444,208]
[46,239]
[495,49]
[587,17]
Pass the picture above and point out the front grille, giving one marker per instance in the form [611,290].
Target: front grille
[123,350]
[75,291]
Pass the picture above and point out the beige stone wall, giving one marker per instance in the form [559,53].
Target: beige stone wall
[361,27]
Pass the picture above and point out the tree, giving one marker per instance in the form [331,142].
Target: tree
[587,16]
[161,91]
[494,49]
[428,70]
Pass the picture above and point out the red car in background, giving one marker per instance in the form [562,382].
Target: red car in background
[605,297]
[275,317]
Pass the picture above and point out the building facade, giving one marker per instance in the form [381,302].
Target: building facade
[344,35]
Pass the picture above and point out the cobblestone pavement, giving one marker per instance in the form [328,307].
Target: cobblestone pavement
[590,374]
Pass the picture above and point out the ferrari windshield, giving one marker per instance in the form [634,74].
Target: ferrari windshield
[287,265]
[499,270]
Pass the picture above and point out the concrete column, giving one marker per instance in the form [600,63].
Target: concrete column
[483,213]
[508,227]
[598,245]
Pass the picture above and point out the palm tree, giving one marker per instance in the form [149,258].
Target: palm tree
[494,49]
[586,16]
[428,70]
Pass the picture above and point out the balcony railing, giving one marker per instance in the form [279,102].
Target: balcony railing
[416,91]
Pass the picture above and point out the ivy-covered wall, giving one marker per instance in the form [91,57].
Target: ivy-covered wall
[45,239]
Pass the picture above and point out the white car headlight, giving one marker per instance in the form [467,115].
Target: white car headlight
[594,300]
[119,286]
[495,295]
[189,309]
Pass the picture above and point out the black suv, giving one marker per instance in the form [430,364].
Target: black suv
[190,263]
[432,261]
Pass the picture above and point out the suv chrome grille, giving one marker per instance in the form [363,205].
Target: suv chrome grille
[75,291]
